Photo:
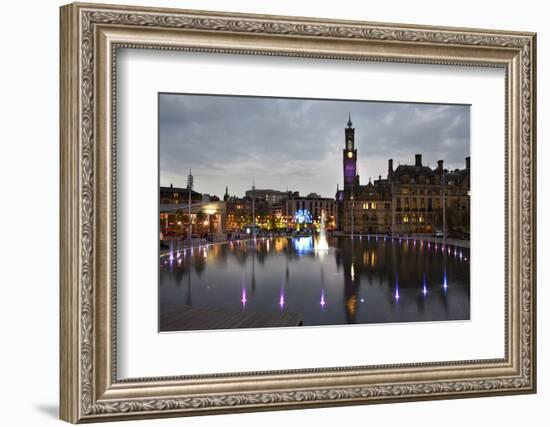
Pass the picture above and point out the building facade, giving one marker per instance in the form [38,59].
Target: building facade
[269,196]
[411,199]
[288,212]
[206,216]
[175,196]
[312,204]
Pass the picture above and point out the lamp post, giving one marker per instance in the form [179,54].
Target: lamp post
[189,188]
[253,211]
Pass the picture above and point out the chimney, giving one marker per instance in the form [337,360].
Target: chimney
[171,185]
[440,165]
[468,162]
[418,159]
[390,167]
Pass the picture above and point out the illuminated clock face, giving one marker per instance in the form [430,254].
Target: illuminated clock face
[350,154]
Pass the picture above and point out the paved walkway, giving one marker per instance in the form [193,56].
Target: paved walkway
[187,318]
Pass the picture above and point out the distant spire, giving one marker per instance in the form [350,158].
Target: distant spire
[190,180]
[350,124]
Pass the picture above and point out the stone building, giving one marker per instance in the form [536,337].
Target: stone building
[411,199]
[207,216]
[175,196]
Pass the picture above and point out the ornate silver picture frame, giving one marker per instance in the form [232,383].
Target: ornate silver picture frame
[91,36]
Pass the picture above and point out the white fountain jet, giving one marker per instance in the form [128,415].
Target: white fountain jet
[322,244]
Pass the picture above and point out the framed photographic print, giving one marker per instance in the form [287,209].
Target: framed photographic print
[265,212]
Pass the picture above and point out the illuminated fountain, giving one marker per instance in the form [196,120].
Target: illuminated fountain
[396,295]
[323,302]
[322,244]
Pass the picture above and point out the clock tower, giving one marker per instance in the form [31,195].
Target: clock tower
[350,158]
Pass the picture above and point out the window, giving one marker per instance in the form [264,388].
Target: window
[406,219]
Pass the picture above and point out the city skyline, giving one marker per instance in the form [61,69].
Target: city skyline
[301,141]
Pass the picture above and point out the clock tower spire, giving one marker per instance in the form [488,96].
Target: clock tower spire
[350,157]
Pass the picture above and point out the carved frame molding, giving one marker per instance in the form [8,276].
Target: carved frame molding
[90,37]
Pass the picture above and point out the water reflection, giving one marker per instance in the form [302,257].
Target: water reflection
[362,280]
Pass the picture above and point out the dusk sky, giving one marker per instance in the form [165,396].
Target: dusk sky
[296,143]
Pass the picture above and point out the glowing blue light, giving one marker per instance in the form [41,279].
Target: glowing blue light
[303,216]
[445,285]
[303,244]
[424,287]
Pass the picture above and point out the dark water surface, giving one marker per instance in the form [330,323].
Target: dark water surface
[367,280]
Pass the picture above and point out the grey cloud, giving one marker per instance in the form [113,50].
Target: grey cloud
[298,143]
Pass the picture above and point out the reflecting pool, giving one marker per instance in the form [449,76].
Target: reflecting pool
[361,280]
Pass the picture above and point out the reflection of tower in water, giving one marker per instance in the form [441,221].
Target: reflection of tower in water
[350,286]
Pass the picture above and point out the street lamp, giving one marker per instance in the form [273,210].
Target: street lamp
[189,188]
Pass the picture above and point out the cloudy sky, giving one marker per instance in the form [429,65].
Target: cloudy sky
[296,143]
